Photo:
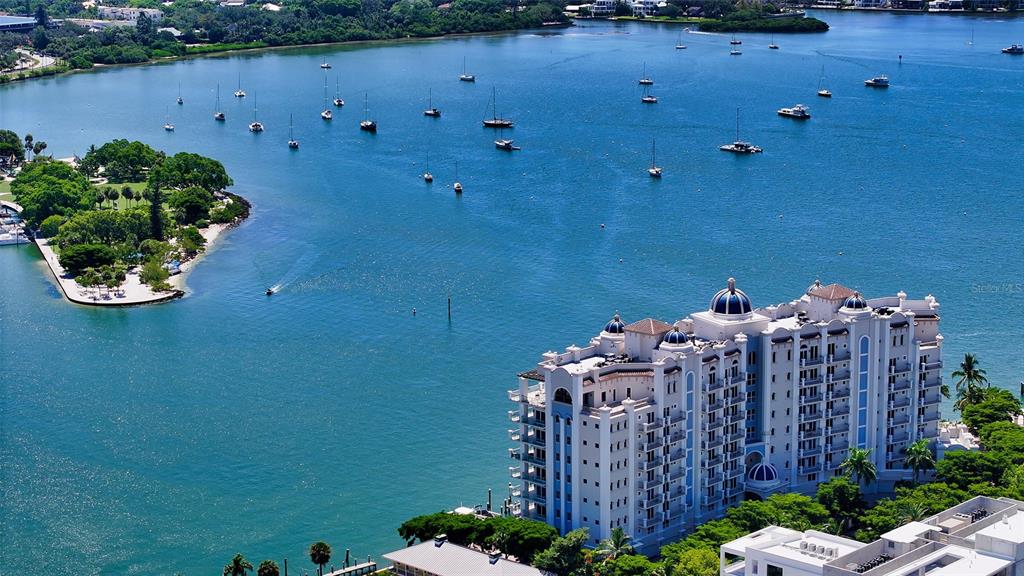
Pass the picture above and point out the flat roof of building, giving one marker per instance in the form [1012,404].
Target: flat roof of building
[1010,529]
[449,559]
[796,550]
[908,532]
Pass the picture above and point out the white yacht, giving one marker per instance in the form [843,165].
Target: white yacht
[880,81]
[799,112]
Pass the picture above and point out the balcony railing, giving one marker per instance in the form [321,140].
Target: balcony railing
[712,479]
[716,405]
[532,440]
[840,428]
[805,452]
[812,381]
[713,443]
[648,484]
[653,444]
[534,459]
[737,436]
[811,361]
[841,356]
[534,421]
[838,392]
[712,424]
[515,435]
[515,416]
[837,446]
[837,411]
[734,491]
[900,385]
[902,402]
[651,464]
[677,437]
[736,418]
[930,416]
[897,437]
[649,426]
[534,497]
[811,398]
[810,469]
[930,400]
[901,418]
[516,396]
[676,455]
[808,434]
[737,398]
[515,472]
[716,384]
[717,460]
[676,419]
[535,478]
[809,416]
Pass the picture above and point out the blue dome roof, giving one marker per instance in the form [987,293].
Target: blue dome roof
[762,472]
[616,326]
[675,337]
[856,302]
[731,301]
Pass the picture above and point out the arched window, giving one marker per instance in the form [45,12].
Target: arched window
[562,395]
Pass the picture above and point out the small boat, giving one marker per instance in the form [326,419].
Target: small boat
[771,43]
[256,126]
[167,122]
[824,93]
[367,125]
[326,65]
[679,42]
[457,187]
[217,114]
[735,42]
[338,102]
[798,112]
[292,142]
[180,99]
[654,170]
[880,81]
[1014,49]
[506,144]
[494,121]
[431,111]
[326,114]
[645,80]
[428,177]
[647,97]
[239,93]
[739,146]
[734,52]
[464,77]
[270,291]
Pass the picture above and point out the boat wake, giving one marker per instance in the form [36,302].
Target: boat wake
[300,267]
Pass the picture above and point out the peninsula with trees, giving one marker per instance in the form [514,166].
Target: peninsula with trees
[120,225]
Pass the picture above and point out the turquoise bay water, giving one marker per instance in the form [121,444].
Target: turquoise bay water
[165,439]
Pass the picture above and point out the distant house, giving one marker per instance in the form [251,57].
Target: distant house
[602,8]
[128,14]
[441,558]
[16,24]
[173,31]
[645,8]
[271,7]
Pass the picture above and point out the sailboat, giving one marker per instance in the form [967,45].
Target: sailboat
[823,92]
[466,77]
[654,170]
[292,142]
[494,121]
[458,185]
[217,114]
[504,143]
[734,41]
[644,79]
[167,121]
[772,45]
[648,98]
[337,93]
[431,111]
[679,42]
[255,126]
[326,65]
[239,93]
[326,114]
[180,99]
[367,124]
[739,146]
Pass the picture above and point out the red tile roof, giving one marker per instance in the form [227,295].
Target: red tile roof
[649,326]
[831,292]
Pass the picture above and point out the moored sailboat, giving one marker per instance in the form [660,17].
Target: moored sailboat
[431,111]
[292,142]
[367,125]
[326,114]
[739,146]
[218,115]
[494,121]
[338,102]
[256,126]
[645,80]
[239,93]
[654,170]
[466,77]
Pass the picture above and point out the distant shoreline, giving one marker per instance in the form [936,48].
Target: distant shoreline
[52,72]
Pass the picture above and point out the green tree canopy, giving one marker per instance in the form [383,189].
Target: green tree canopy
[696,562]
[843,500]
[190,205]
[565,555]
[992,405]
[121,160]
[184,170]
[10,145]
[45,187]
[970,382]
[966,468]
[105,227]
[78,257]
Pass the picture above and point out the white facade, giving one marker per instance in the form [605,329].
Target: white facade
[128,14]
[602,8]
[981,537]
[657,427]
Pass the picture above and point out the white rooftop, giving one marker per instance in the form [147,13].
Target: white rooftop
[801,549]
[956,561]
[1011,529]
[453,560]
[908,532]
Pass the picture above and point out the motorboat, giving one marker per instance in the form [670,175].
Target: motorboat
[799,112]
[880,81]
[505,144]
[1014,49]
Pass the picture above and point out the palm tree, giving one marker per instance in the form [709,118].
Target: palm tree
[919,457]
[320,554]
[238,566]
[268,568]
[617,545]
[970,381]
[859,467]
[912,511]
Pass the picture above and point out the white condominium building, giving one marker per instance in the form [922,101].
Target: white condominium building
[981,537]
[655,427]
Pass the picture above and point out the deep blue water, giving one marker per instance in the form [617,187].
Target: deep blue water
[164,439]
